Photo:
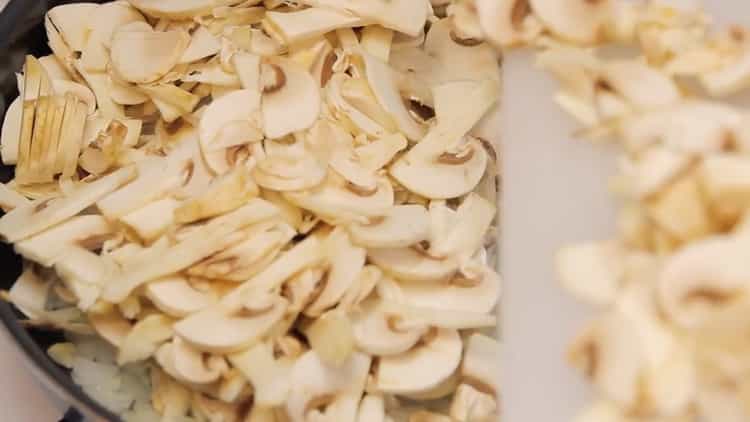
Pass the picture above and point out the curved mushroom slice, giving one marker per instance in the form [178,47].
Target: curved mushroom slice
[438,166]
[101,24]
[381,79]
[227,123]
[346,112]
[380,152]
[653,89]
[478,294]
[335,200]
[481,367]
[382,334]
[71,22]
[291,171]
[227,330]
[110,325]
[346,262]
[47,247]
[469,404]
[580,21]
[331,337]
[82,272]
[422,367]
[455,61]
[371,409]
[82,92]
[440,318]
[143,55]
[269,375]
[144,339]
[202,44]
[152,220]
[39,216]
[357,92]
[11,132]
[212,74]
[226,193]
[472,220]
[316,385]
[292,92]
[11,199]
[249,257]
[188,365]
[30,293]
[413,264]
[176,297]
[55,69]
[405,225]
[309,23]
[405,16]
[215,236]
[179,9]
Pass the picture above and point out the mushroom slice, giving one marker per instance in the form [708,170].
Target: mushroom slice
[189,365]
[592,272]
[473,218]
[357,92]
[339,203]
[292,92]
[39,216]
[371,409]
[249,257]
[469,404]
[654,88]
[152,220]
[422,367]
[47,247]
[247,66]
[580,21]
[203,242]
[144,339]
[378,153]
[331,337]
[454,168]
[82,272]
[101,24]
[11,199]
[213,74]
[440,318]
[309,23]
[202,44]
[346,262]
[339,389]
[269,375]
[376,40]
[507,22]
[480,367]
[381,79]
[290,171]
[413,264]
[730,78]
[405,225]
[11,132]
[176,297]
[226,193]
[30,293]
[110,325]
[229,122]
[477,294]
[221,329]
[404,16]
[346,112]
[141,55]
[178,9]
[381,334]
[70,21]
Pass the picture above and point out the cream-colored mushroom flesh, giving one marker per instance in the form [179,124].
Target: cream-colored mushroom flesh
[264,210]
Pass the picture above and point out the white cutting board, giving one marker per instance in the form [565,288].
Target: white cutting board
[555,193]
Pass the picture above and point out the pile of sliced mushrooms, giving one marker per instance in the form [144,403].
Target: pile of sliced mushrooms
[286,210]
[673,285]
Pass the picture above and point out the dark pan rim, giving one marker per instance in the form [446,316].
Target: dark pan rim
[56,374]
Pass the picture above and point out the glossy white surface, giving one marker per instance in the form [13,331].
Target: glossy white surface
[555,193]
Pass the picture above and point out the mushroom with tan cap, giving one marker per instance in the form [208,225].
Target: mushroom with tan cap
[422,367]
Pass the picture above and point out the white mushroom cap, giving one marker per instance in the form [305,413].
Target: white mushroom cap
[298,95]
[143,55]
[580,21]
[423,367]
[405,225]
[174,296]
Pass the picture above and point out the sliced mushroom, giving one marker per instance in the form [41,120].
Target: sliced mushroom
[188,365]
[269,375]
[294,92]
[477,294]
[70,21]
[470,404]
[381,334]
[144,339]
[47,247]
[141,55]
[592,272]
[404,226]
[472,220]
[309,23]
[581,21]
[101,24]
[292,171]
[28,221]
[111,326]
[371,409]
[413,264]
[480,367]
[247,66]
[226,193]
[152,220]
[381,80]
[202,44]
[176,9]
[222,330]
[423,367]
[174,296]
[11,132]
[331,337]
[400,15]
[348,112]
[29,293]
[321,391]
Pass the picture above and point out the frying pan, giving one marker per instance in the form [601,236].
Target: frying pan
[22,32]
